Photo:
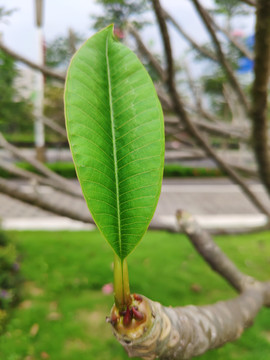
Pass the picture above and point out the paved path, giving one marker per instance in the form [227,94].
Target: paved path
[216,204]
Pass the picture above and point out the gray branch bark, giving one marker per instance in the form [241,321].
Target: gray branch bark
[68,186]
[36,200]
[228,132]
[15,170]
[184,332]
[54,126]
[212,254]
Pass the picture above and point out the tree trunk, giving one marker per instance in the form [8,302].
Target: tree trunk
[260,91]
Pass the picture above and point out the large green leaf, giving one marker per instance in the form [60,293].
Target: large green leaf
[116,133]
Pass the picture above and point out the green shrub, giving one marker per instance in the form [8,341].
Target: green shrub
[9,278]
[176,170]
[67,170]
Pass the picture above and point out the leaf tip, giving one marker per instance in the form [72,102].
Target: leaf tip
[110,29]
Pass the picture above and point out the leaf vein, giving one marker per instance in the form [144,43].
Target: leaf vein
[114,144]
[75,153]
[88,128]
[93,168]
[103,201]
[138,198]
[94,70]
[138,174]
[137,115]
[131,91]
[85,99]
[94,182]
[146,158]
[90,117]
[122,73]
[137,216]
[136,139]
[139,148]
[134,208]
[90,141]
[139,188]
[130,107]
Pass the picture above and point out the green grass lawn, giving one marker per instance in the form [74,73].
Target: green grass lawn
[61,315]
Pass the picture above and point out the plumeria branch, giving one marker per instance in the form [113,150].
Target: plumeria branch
[46,71]
[207,20]
[184,117]
[211,253]
[35,199]
[250,2]
[184,332]
[65,184]
[200,49]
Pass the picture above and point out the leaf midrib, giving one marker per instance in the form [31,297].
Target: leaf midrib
[114,144]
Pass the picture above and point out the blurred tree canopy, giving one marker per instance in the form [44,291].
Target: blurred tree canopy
[60,50]
[4,13]
[15,111]
[118,12]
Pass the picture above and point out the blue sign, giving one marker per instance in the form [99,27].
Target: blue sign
[250,41]
[244,64]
